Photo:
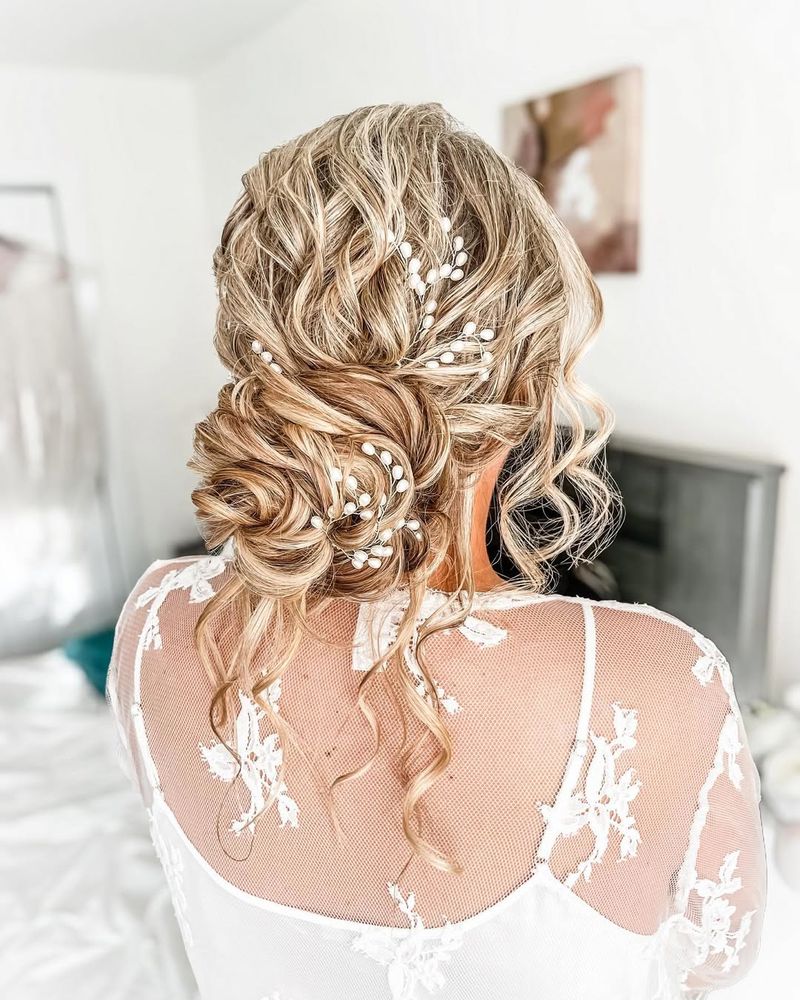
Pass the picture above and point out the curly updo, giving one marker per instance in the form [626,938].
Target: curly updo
[309,276]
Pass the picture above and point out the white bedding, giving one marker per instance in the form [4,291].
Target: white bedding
[84,911]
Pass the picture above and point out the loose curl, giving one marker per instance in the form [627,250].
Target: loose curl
[304,266]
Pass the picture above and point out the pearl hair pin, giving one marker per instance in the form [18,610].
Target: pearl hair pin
[265,356]
[452,270]
[459,345]
[357,503]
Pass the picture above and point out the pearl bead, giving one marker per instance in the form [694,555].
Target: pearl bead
[458,242]
[361,555]
[385,457]
[457,345]
[376,550]
[373,562]
[469,329]
[461,258]
[317,522]
[367,448]
[275,368]
[364,499]
[349,508]
[430,305]
[428,322]
[266,356]
[418,535]
[484,375]
[405,249]
[385,535]
[431,364]
[366,515]
[487,334]
[448,357]
[357,564]
[402,486]
[336,474]
[457,274]
[446,223]
[257,348]
[446,270]
[413,524]
[397,472]
[432,275]
[352,483]
[488,356]
[414,265]
[331,511]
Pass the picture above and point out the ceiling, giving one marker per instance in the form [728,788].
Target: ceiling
[140,36]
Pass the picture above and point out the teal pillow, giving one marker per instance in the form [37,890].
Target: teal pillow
[92,653]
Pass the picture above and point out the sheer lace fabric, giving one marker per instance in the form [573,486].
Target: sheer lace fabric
[601,801]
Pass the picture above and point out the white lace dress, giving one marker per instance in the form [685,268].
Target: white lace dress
[601,801]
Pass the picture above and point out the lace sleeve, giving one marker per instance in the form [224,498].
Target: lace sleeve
[116,695]
[120,682]
[720,887]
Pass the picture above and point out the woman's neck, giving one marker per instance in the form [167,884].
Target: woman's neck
[484,574]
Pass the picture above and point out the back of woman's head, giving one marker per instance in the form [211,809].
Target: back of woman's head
[389,285]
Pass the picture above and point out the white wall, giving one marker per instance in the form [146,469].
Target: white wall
[701,347]
[122,154]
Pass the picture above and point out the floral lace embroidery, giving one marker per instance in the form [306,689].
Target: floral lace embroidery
[689,944]
[195,578]
[258,765]
[604,803]
[729,745]
[172,862]
[368,646]
[710,660]
[685,945]
[412,958]
[714,936]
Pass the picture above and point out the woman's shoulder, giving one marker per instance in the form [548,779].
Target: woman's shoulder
[634,629]
[193,576]
[180,572]
[644,657]
[662,639]
[166,596]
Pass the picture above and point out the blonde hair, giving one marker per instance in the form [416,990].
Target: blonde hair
[304,266]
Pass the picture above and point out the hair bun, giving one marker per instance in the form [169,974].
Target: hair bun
[340,506]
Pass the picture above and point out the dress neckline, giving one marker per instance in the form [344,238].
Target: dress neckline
[497,599]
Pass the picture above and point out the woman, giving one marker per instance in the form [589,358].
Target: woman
[373,768]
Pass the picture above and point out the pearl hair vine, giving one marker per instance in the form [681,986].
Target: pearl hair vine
[452,270]
[356,503]
[460,349]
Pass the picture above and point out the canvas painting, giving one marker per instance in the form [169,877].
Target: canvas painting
[582,146]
